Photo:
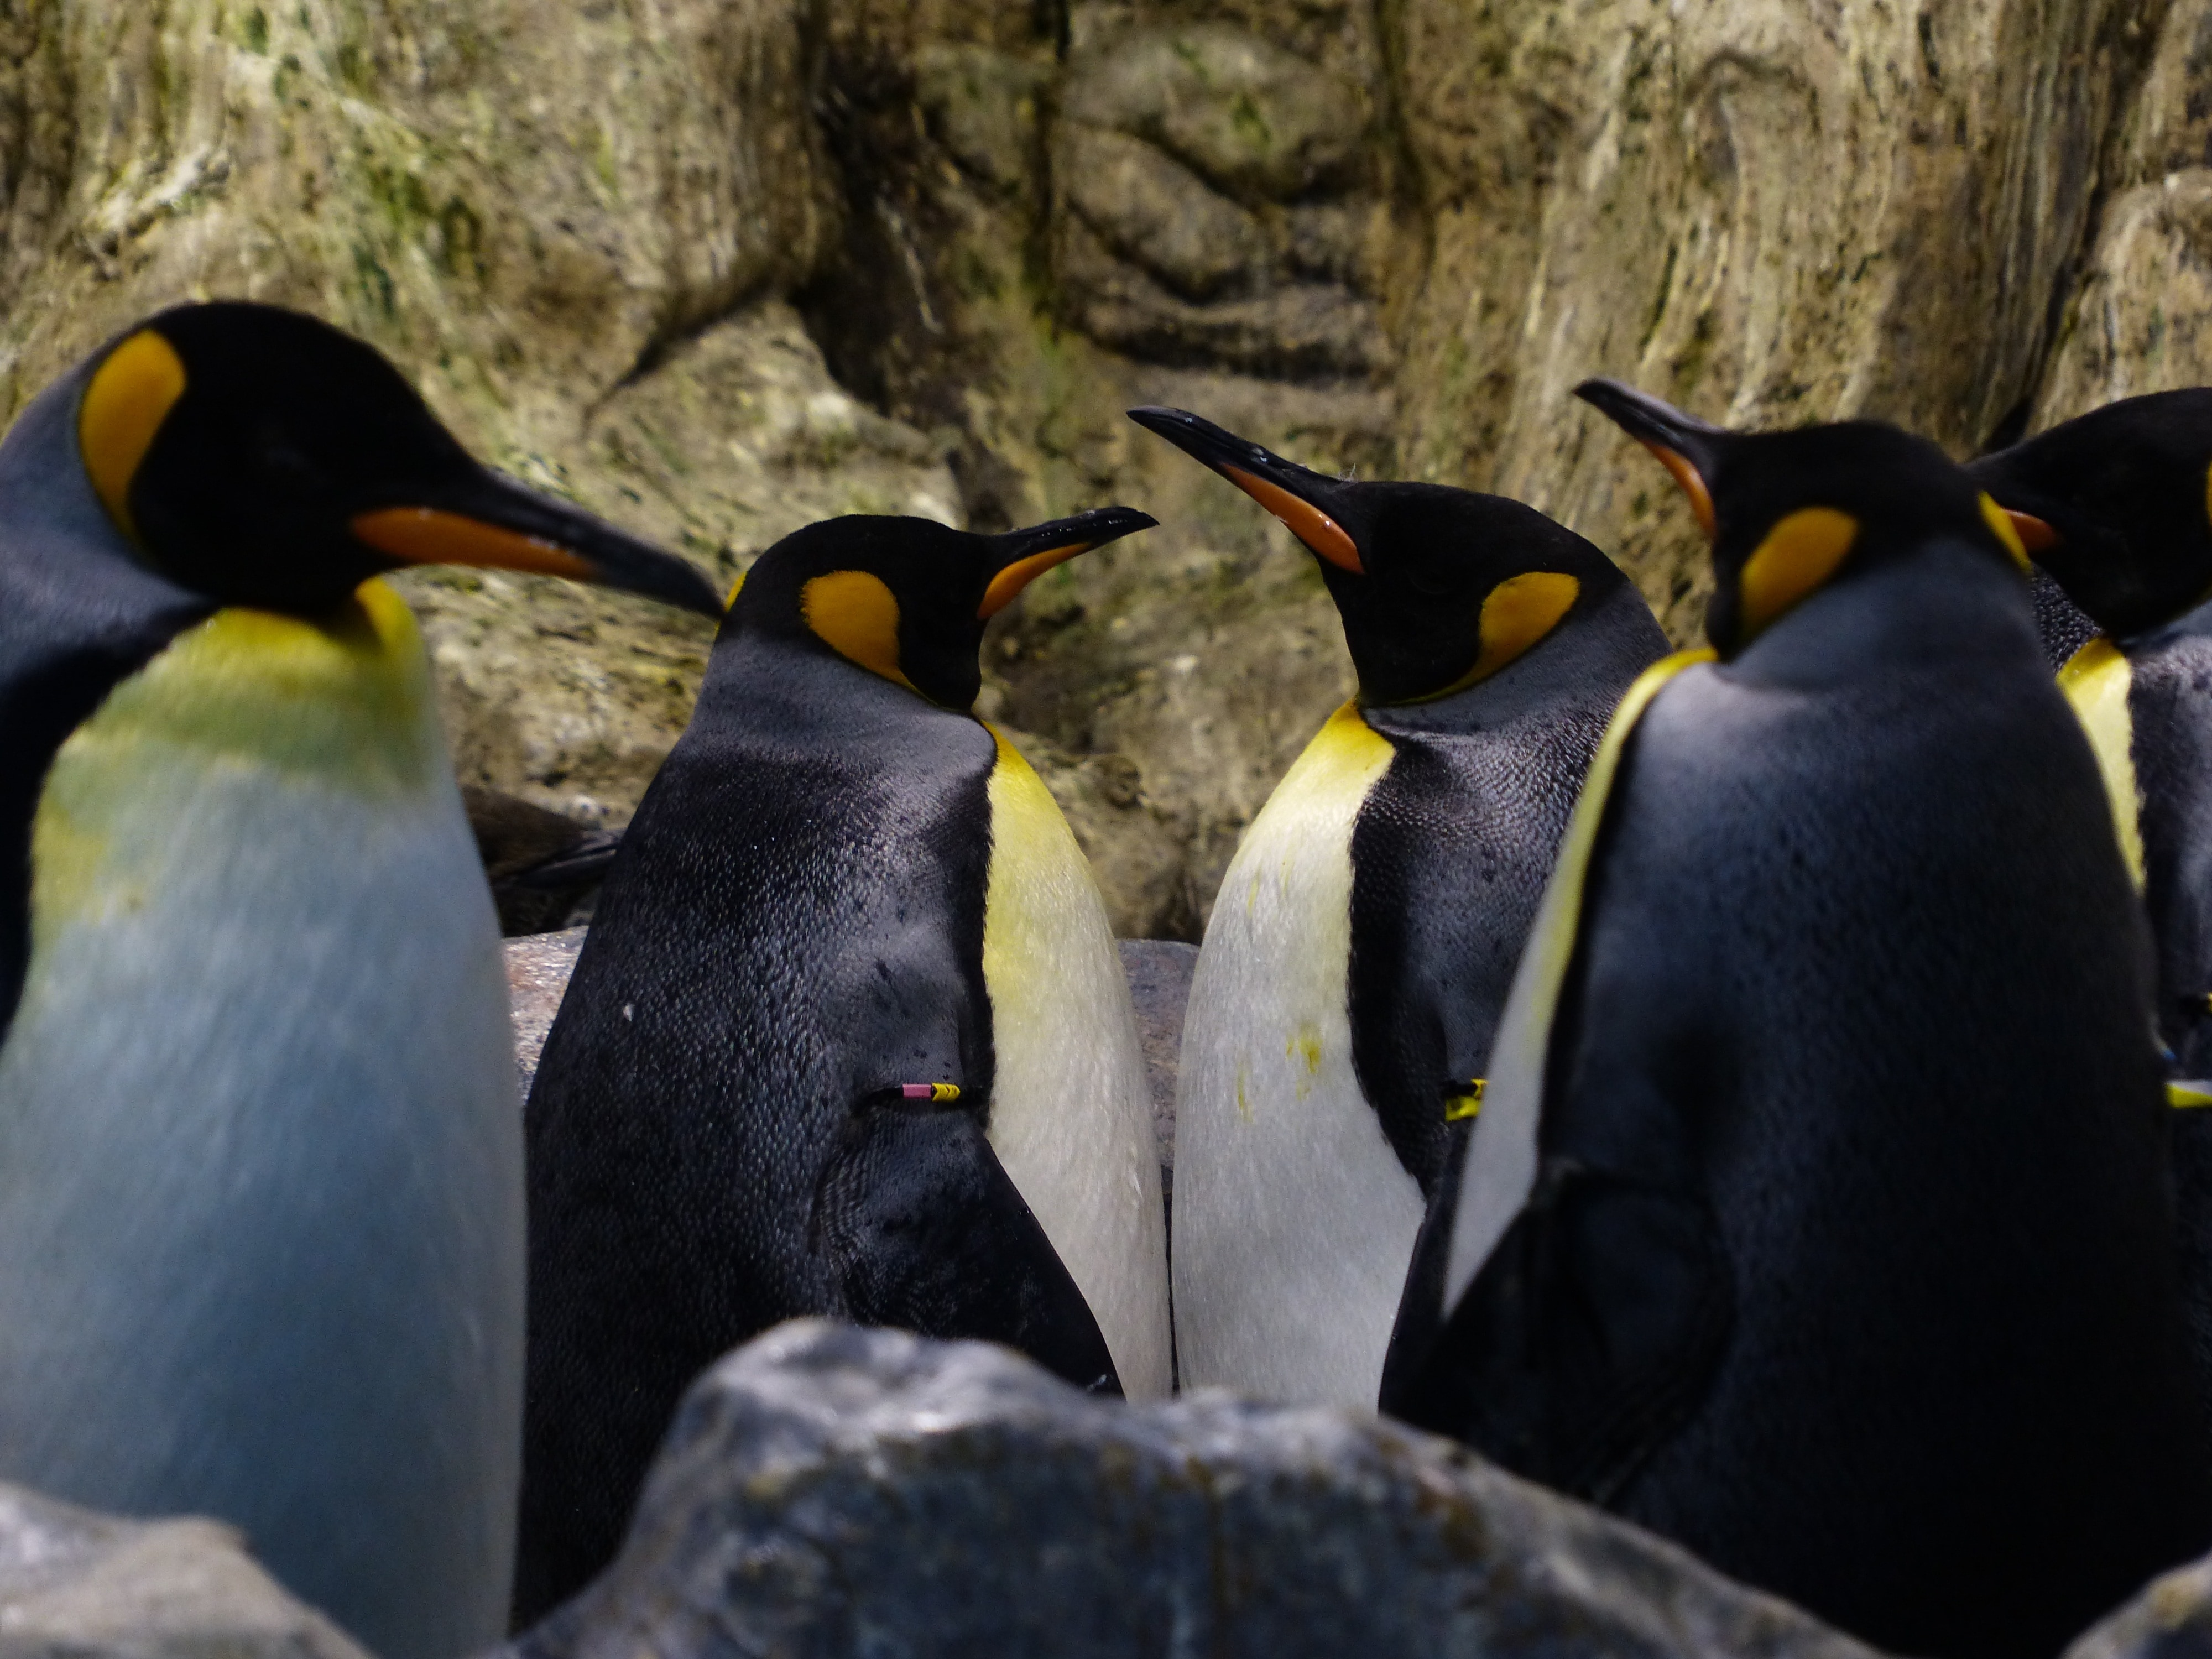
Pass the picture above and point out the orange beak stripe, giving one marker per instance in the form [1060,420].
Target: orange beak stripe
[2034,534]
[1692,482]
[1020,573]
[1302,519]
[424,535]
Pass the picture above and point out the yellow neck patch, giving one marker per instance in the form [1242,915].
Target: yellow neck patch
[1801,552]
[123,407]
[855,615]
[2095,681]
[342,704]
[2001,526]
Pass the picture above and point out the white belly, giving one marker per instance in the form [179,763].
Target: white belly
[260,1153]
[1071,1111]
[1294,1220]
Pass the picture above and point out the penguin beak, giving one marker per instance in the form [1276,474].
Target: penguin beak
[1023,555]
[1301,499]
[1685,446]
[2036,535]
[492,523]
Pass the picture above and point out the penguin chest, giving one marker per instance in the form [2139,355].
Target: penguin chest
[257,1125]
[1294,1219]
[1071,1111]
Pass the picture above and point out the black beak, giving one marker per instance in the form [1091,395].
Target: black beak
[486,520]
[1687,447]
[1308,502]
[1020,557]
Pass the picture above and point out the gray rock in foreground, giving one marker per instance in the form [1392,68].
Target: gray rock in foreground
[1158,971]
[827,1490]
[537,969]
[75,1584]
[2170,1620]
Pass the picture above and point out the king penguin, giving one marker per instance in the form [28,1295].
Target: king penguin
[849,1035]
[2113,505]
[260,1152]
[1343,1004]
[1817,1216]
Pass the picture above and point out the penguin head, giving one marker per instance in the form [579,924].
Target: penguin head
[1439,588]
[2117,505]
[1792,513]
[261,459]
[907,598]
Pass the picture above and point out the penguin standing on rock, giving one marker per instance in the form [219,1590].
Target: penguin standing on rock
[260,1156]
[2113,505]
[849,1035]
[1817,1216]
[1344,1002]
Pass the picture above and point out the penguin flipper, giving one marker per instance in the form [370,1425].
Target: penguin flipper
[924,1229]
[1588,1337]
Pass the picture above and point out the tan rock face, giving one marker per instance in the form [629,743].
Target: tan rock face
[715,269]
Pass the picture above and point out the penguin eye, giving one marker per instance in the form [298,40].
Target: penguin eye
[284,460]
[1432,579]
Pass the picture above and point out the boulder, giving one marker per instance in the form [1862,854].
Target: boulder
[77,1584]
[830,1491]
[537,969]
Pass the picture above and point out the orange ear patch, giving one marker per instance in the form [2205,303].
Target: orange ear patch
[1020,573]
[857,615]
[1801,552]
[1519,611]
[1302,519]
[130,396]
[424,535]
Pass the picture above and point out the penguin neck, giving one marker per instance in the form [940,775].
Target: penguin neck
[66,570]
[1586,658]
[820,692]
[1946,604]
[2194,623]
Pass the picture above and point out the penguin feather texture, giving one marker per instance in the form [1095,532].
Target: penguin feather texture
[1270,1297]
[1071,1110]
[267,1257]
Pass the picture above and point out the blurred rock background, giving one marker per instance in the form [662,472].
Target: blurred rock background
[715,268]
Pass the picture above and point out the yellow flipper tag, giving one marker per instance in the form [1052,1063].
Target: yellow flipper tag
[1459,1107]
[2195,1093]
[2095,681]
[939,1093]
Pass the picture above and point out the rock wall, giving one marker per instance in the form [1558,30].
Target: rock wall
[718,269]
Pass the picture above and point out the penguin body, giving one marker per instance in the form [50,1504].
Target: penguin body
[837,891]
[2114,505]
[1361,945]
[260,1154]
[1817,1215]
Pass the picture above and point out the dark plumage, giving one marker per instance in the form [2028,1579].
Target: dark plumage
[1842,1248]
[793,928]
[1490,643]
